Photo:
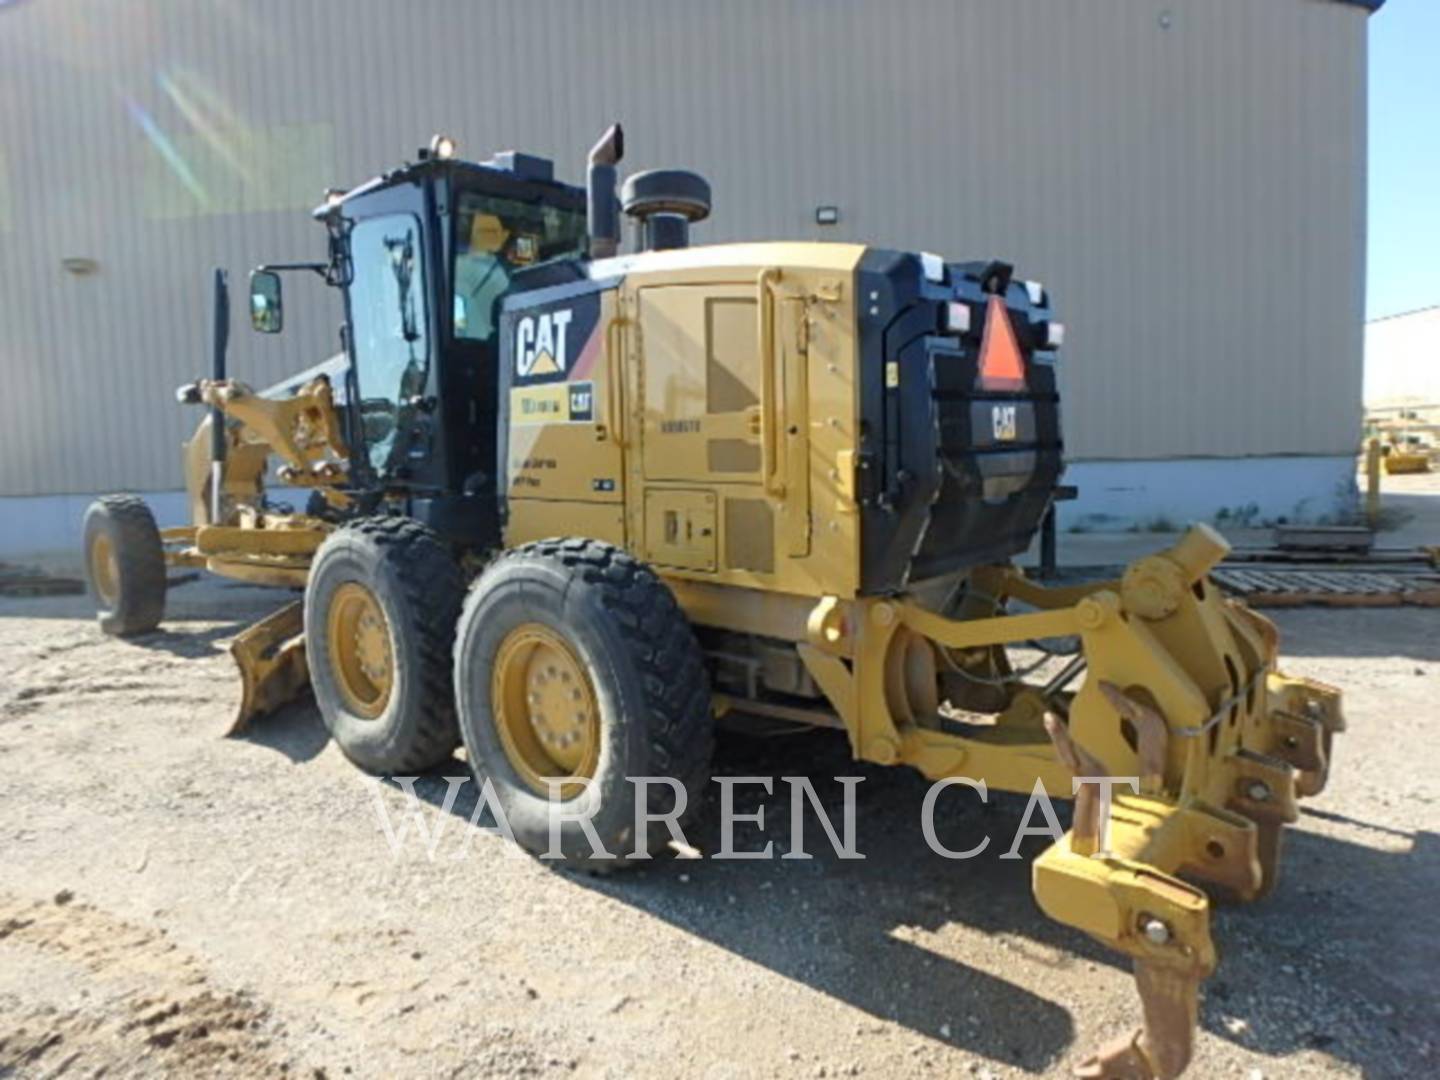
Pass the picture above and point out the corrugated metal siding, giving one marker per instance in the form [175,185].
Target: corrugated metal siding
[1402,360]
[1193,193]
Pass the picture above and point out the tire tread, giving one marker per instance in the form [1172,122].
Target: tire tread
[433,586]
[140,556]
[667,655]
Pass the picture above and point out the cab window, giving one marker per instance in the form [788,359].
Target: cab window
[495,237]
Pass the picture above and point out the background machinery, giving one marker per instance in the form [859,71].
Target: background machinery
[781,479]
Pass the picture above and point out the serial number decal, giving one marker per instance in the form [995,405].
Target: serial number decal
[680,427]
[553,403]
[543,408]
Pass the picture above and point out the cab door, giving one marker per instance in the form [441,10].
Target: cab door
[390,338]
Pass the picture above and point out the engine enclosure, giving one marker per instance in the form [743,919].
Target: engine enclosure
[781,416]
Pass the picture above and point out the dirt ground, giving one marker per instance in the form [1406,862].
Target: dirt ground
[171,901]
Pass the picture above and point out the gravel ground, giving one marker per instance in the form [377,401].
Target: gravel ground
[174,901]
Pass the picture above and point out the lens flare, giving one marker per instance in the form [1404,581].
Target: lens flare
[214,121]
[167,150]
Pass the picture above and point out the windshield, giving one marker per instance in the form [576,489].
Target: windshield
[494,237]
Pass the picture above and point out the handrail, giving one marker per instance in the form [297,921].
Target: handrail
[765,285]
[613,415]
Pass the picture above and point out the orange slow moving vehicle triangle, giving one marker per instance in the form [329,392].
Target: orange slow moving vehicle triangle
[1001,366]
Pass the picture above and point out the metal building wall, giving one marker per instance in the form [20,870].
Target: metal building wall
[1402,360]
[1187,176]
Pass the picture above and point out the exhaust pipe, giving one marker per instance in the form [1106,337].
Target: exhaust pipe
[601,208]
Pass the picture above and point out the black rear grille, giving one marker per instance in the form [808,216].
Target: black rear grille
[961,475]
[999,462]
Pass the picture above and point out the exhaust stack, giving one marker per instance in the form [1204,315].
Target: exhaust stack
[601,208]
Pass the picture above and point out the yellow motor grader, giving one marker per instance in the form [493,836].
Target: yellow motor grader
[569,506]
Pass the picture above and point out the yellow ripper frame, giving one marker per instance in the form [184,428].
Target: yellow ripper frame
[1182,697]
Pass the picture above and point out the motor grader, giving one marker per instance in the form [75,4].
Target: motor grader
[570,505]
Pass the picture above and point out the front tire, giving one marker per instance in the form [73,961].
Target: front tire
[125,565]
[380,610]
[574,662]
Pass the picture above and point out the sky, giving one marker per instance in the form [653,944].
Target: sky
[1404,189]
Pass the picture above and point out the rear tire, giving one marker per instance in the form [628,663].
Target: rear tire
[125,565]
[620,625]
[380,610]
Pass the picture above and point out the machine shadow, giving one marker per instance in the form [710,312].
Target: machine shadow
[1296,977]
[189,644]
[855,929]
[192,599]
[295,730]
[835,924]
[231,609]
[1370,633]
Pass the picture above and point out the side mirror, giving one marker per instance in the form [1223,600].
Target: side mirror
[267,308]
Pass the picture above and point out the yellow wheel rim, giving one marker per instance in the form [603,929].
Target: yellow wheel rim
[104,570]
[361,658]
[545,709]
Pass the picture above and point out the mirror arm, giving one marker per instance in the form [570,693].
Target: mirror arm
[323,269]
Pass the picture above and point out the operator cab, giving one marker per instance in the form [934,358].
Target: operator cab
[423,255]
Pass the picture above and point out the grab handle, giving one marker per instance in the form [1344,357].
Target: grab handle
[765,285]
[614,412]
